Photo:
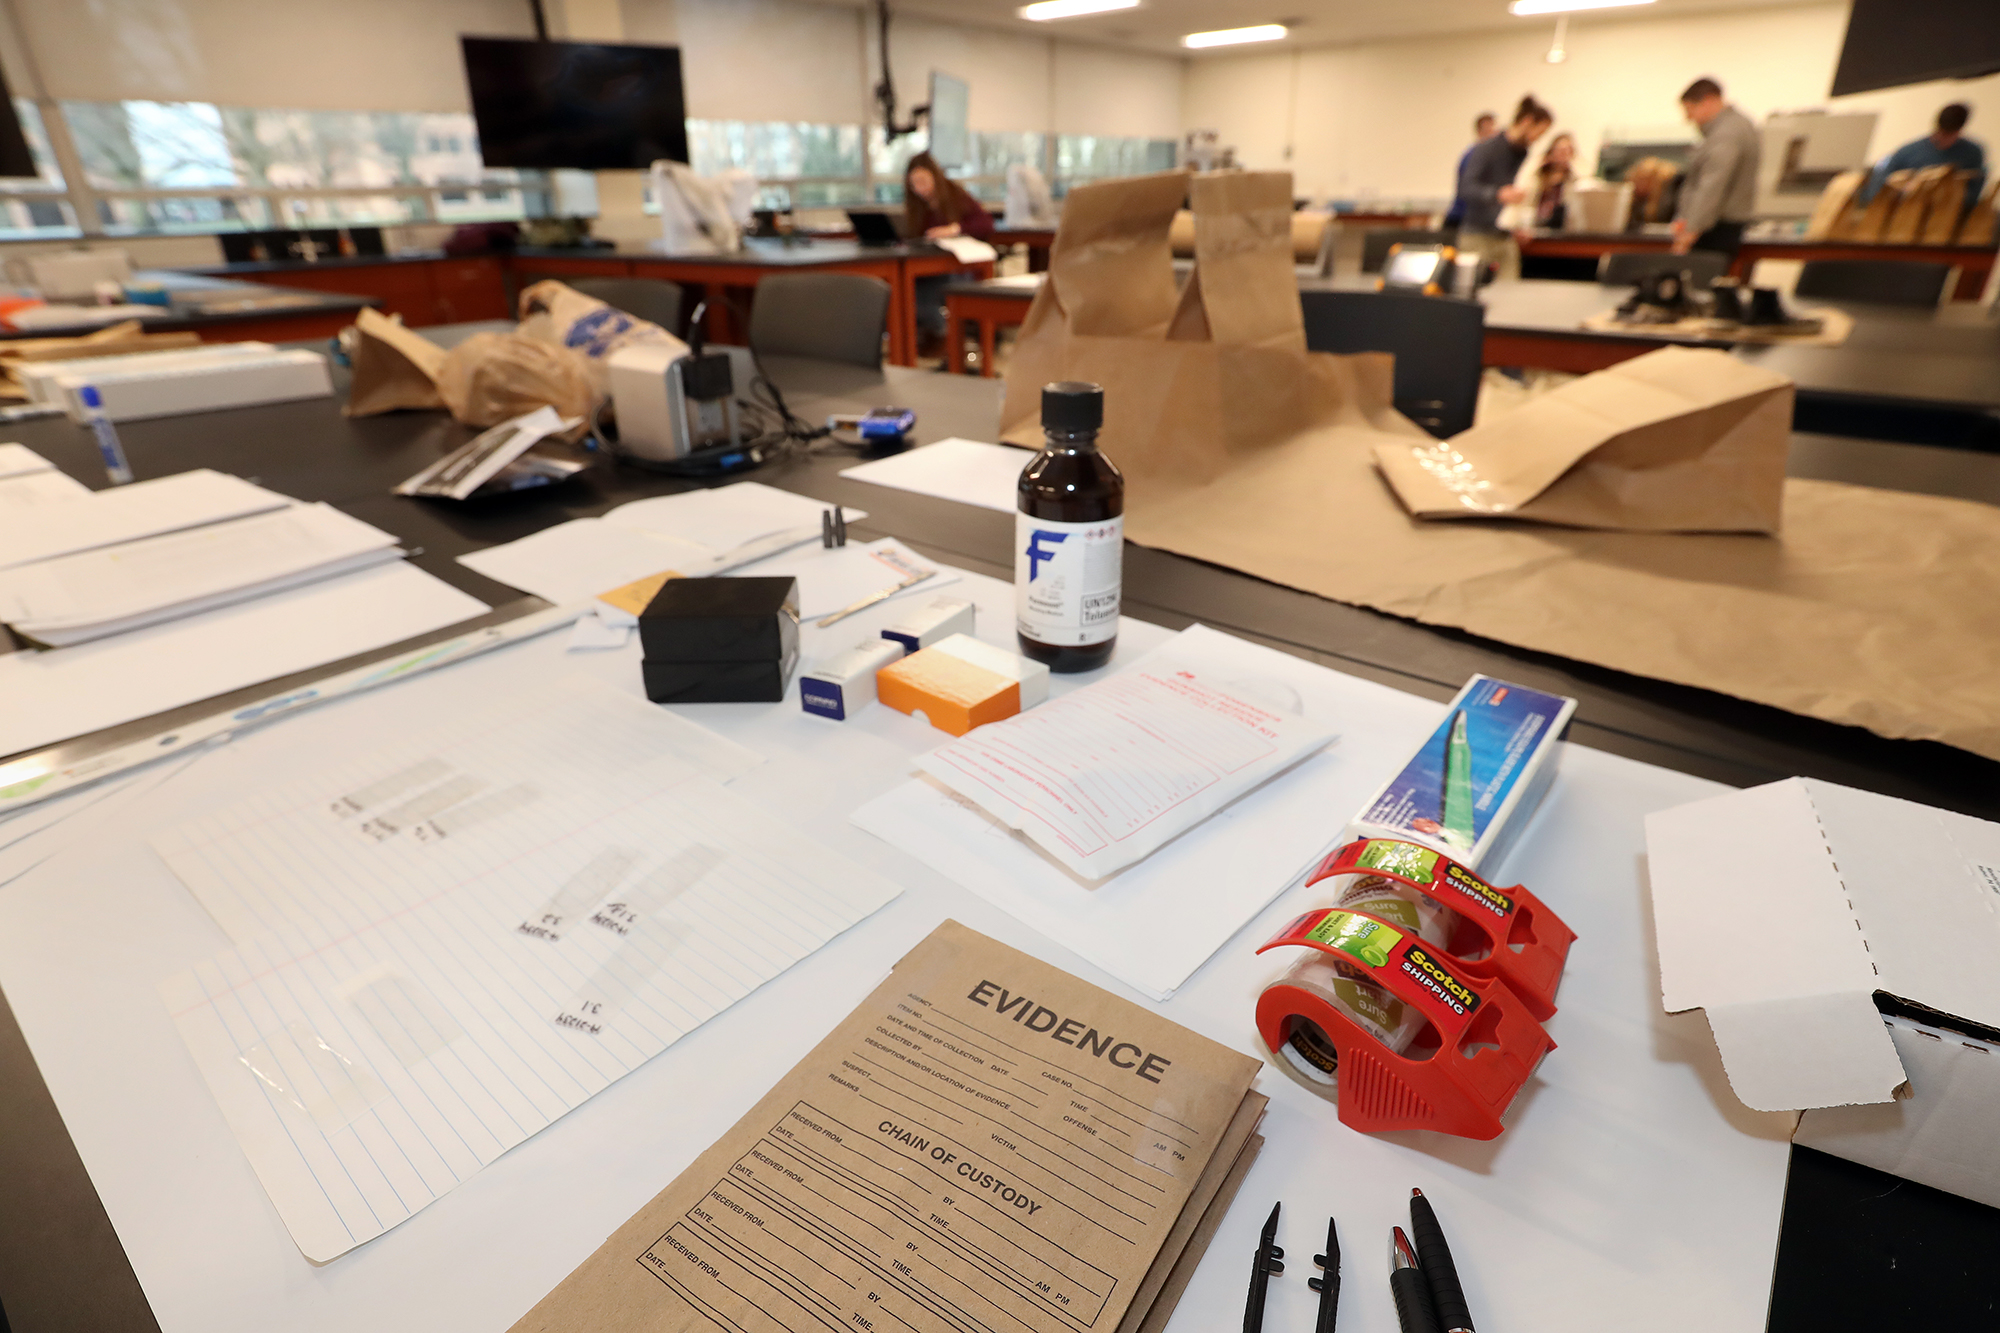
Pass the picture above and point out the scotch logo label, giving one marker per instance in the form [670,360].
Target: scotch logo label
[1489,897]
[1434,977]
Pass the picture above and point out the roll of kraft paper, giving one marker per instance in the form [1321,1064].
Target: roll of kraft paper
[1391,1021]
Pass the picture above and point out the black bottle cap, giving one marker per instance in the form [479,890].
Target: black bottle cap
[1070,406]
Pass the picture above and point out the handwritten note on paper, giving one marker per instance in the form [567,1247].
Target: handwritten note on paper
[1103,776]
[442,953]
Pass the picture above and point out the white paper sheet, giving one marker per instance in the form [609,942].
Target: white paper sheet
[28,490]
[554,757]
[126,513]
[963,470]
[1629,1177]
[18,459]
[65,692]
[830,580]
[1152,924]
[724,516]
[495,932]
[116,588]
[1104,776]
[575,561]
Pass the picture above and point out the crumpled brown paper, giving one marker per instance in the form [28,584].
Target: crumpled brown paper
[1681,439]
[1875,608]
[494,377]
[394,367]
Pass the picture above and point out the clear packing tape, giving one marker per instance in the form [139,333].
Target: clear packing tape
[1419,1000]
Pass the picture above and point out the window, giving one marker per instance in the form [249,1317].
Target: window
[1083,157]
[985,177]
[797,165]
[177,167]
[37,206]
[194,166]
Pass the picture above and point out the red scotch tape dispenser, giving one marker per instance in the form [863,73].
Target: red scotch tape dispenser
[1421,991]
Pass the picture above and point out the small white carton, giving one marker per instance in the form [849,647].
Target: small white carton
[1846,949]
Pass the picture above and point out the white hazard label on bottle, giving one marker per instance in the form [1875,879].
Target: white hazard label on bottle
[1066,578]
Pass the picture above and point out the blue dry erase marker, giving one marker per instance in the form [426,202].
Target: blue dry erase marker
[115,465]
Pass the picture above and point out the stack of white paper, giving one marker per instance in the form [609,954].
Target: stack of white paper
[110,589]
[28,480]
[687,533]
[128,513]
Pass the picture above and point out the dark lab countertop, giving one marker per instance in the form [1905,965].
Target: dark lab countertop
[201,302]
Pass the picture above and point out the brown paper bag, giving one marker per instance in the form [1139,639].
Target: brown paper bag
[1978,227]
[494,377]
[1947,208]
[1196,379]
[1678,440]
[1836,203]
[1906,224]
[394,367]
[1868,222]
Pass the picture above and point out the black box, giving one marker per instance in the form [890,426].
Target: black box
[722,619]
[718,682]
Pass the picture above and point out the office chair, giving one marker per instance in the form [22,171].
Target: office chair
[1375,245]
[1437,342]
[1884,281]
[1629,268]
[823,316]
[653,299]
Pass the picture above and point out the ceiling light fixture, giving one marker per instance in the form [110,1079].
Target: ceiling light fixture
[1069,9]
[1263,32]
[1530,8]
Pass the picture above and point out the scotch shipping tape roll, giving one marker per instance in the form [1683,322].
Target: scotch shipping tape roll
[1309,1054]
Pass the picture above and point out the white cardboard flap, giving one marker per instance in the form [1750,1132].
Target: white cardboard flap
[1756,928]
[1812,1050]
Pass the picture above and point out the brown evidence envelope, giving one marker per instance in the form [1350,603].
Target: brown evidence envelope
[987,1144]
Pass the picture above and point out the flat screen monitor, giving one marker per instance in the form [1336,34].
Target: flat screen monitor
[1894,42]
[951,142]
[588,105]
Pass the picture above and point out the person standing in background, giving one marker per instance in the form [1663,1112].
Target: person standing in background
[1946,146]
[1552,179]
[1483,127]
[1719,188]
[1486,182]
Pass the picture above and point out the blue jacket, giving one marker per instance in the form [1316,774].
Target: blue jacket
[1963,153]
[1456,213]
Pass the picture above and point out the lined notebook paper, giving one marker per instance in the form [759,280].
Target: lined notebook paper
[472,941]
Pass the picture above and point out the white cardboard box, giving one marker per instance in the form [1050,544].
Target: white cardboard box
[1787,912]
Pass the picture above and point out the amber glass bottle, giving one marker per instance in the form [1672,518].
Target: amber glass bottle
[1069,537]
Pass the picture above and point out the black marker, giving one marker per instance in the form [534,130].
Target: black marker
[1446,1295]
[1407,1285]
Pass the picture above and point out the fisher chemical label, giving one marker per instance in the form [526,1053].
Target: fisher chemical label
[1066,580]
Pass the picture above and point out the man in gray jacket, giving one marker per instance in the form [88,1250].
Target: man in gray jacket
[1719,189]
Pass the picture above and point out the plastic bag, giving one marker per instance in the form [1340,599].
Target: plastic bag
[561,316]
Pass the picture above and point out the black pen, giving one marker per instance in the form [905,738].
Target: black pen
[1407,1285]
[1270,1261]
[1328,1283]
[1447,1296]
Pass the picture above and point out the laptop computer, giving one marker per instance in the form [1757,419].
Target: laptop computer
[874,228]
